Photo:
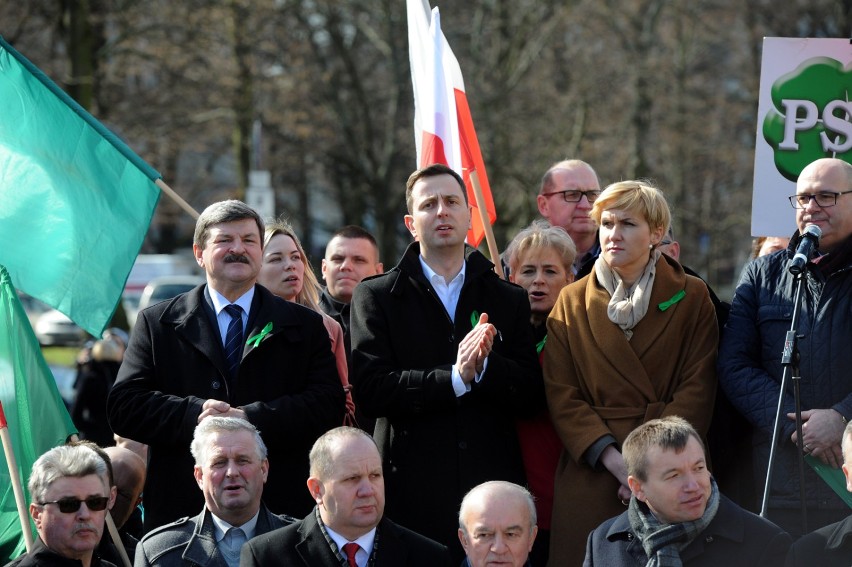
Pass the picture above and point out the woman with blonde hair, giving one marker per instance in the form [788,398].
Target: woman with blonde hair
[633,341]
[286,272]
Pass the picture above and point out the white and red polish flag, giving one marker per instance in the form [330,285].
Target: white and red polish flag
[443,127]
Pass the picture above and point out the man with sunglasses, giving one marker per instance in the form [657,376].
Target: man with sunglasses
[750,368]
[70,491]
[567,192]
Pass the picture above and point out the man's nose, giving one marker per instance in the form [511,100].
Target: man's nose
[584,203]
[499,544]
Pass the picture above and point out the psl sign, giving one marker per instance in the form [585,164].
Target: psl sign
[804,114]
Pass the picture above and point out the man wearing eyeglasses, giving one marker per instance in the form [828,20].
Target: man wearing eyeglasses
[750,367]
[70,492]
[568,190]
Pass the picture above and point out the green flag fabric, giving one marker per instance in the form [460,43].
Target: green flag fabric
[35,412]
[75,201]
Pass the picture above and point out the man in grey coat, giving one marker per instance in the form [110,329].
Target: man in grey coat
[230,468]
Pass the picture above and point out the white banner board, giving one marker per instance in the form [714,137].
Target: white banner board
[804,113]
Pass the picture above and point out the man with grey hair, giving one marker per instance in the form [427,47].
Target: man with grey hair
[568,190]
[348,526]
[830,546]
[70,493]
[231,467]
[226,348]
[497,525]
[676,515]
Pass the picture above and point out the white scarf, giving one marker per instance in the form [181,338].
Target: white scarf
[627,306]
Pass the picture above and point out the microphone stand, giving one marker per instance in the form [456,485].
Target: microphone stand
[790,362]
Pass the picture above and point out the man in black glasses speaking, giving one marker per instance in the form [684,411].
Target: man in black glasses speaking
[750,369]
[568,190]
[70,492]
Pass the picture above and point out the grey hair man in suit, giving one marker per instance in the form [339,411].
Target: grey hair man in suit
[230,468]
[348,526]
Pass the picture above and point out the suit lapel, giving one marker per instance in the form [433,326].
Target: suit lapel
[195,321]
[313,548]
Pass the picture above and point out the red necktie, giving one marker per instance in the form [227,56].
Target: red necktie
[350,549]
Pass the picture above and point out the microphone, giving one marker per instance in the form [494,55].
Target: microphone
[809,242]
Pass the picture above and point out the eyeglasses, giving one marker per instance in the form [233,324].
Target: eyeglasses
[822,199]
[71,505]
[574,195]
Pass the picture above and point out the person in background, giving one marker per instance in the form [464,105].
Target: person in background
[566,195]
[634,340]
[676,515]
[540,259]
[497,525]
[763,245]
[128,478]
[70,494]
[93,386]
[750,368]
[348,526]
[231,469]
[287,273]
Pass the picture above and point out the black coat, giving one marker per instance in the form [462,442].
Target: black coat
[735,538]
[304,544]
[435,446]
[42,556]
[287,386]
[830,546]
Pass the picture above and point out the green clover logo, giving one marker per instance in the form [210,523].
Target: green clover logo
[811,116]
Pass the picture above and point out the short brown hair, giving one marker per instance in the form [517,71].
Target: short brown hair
[638,196]
[668,433]
[430,171]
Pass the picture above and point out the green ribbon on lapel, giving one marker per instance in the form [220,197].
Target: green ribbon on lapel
[260,336]
[540,345]
[675,298]
[474,319]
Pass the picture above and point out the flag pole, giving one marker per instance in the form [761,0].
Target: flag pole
[16,481]
[486,223]
[176,198]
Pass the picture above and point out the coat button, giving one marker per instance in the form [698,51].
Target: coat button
[451,338]
[462,444]
[629,537]
[215,384]
[709,539]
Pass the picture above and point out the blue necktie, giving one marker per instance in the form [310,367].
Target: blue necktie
[234,339]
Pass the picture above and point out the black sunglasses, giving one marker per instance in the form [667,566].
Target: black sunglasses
[71,505]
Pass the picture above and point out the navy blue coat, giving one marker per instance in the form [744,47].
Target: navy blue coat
[750,368]
[735,538]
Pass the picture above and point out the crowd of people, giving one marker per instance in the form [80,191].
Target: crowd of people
[437,414]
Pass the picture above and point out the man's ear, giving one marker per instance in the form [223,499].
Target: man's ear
[113,492]
[636,487]
[463,540]
[199,475]
[409,224]
[316,489]
[35,512]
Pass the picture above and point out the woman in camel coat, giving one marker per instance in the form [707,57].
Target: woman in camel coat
[634,340]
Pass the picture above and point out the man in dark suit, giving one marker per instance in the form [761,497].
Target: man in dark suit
[830,546]
[348,525]
[277,370]
[676,515]
[443,353]
[231,468]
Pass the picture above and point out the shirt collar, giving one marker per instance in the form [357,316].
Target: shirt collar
[365,541]
[221,527]
[220,302]
[432,274]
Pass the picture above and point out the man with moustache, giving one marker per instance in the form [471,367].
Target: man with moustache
[70,494]
[443,354]
[231,468]
[348,525]
[750,369]
[227,348]
[568,190]
[676,515]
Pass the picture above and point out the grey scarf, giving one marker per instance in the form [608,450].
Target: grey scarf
[663,542]
[627,306]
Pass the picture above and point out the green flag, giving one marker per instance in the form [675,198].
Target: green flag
[35,412]
[75,201]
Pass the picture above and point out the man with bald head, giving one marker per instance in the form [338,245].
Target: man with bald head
[497,525]
[750,367]
[568,190]
[128,478]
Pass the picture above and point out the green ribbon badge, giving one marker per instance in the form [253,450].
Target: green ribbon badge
[675,298]
[540,345]
[474,318]
[260,336]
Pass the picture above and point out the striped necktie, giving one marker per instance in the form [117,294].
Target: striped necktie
[234,339]
[350,549]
